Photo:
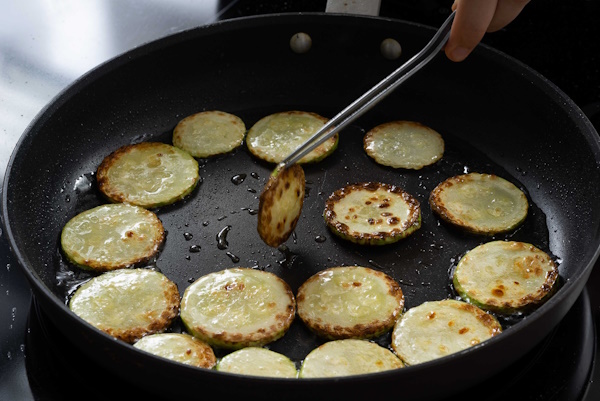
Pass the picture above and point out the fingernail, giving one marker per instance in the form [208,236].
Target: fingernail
[459,53]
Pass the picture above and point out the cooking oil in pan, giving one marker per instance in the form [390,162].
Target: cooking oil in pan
[222,238]
[238,178]
[421,263]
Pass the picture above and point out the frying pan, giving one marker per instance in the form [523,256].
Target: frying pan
[495,114]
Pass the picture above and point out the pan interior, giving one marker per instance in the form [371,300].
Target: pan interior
[495,116]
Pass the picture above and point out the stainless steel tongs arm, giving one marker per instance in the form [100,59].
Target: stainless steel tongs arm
[375,94]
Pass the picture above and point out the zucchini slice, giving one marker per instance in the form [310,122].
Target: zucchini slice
[350,302]
[179,347]
[127,304]
[255,361]
[238,307]
[479,203]
[505,276]
[280,204]
[209,133]
[348,357]
[112,236]
[276,136]
[438,328]
[372,213]
[404,144]
[147,174]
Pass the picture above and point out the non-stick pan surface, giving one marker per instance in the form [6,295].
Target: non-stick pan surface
[496,116]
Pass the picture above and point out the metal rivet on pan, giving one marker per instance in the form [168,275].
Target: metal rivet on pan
[300,43]
[390,49]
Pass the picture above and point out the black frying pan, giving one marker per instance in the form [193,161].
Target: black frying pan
[496,115]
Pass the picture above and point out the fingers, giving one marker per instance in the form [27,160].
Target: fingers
[476,17]
[506,12]
[471,21]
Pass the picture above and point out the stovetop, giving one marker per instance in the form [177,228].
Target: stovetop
[44,46]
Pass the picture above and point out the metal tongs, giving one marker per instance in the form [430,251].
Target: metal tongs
[373,95]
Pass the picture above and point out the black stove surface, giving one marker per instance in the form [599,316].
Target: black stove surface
[558,39]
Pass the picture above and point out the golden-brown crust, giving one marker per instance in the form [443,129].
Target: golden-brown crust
[317,154]
[486,319]
[103,266]
[258,338]
[272,193]
[102,172]
[412,223]
[437,204]
[529,266]
[206,356]
[535,264]
[113,194]
[371,329]
[280,321]
[157,324]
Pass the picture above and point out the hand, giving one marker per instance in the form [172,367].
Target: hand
[476,17]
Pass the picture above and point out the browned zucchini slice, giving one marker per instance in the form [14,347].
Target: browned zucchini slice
[350,302]
[127,304]
[238,307]
[438,328]
[179,347]
[505,276]
[372,213]
[480,203]
[147,174]
[255,361]
[404,144]
[276,136]
[209,133]
[348,357]
[280,204]
[112,236]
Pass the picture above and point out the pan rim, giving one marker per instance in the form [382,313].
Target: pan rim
[46,112]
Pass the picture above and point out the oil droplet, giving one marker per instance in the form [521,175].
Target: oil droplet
[320,239]
[188,236]
[205,223]
[195,248]
[233,258]
[251,211]
[238,178]
[254,175]
[289,257]
[222,238]
[191,280]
